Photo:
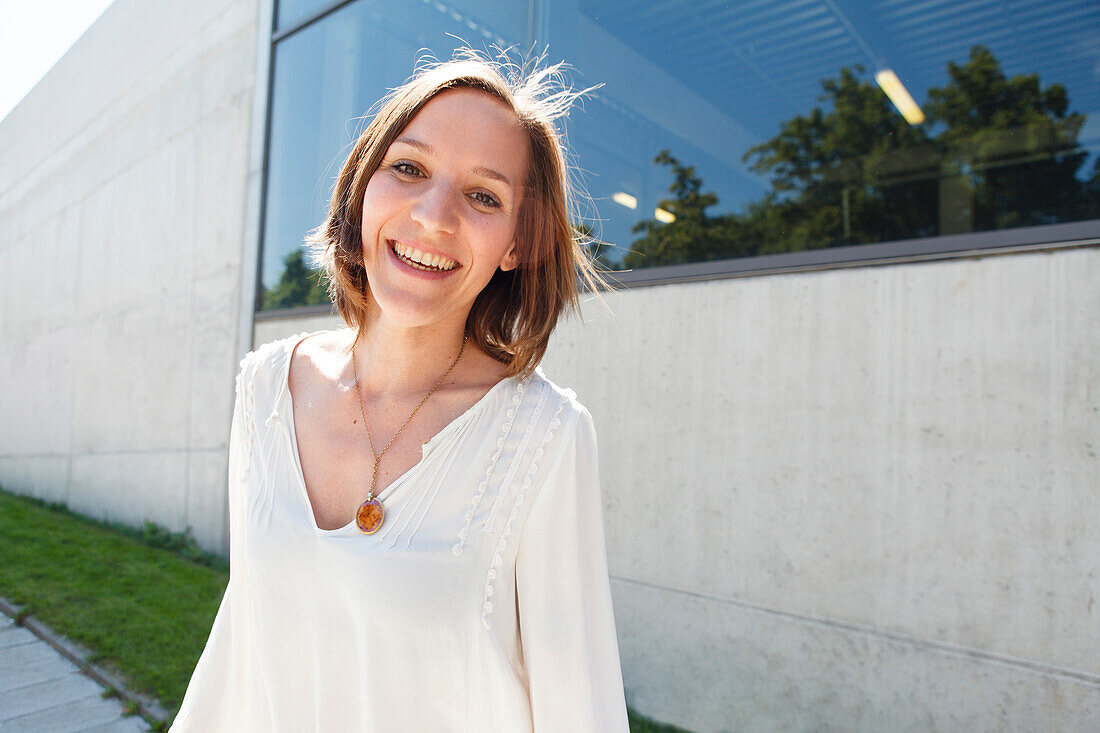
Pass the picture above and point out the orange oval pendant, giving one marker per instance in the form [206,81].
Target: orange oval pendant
[370,515]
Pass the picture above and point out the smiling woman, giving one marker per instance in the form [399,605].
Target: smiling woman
[416,524]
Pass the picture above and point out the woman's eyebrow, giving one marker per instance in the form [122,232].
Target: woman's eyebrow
[480,170]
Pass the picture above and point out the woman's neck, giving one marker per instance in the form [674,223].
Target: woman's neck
[396,360]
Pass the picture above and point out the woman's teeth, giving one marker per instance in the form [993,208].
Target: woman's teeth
[421,261]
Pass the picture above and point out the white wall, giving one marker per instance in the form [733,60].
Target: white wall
[122,213]
[859,499]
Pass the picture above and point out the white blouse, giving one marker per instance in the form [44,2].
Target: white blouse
[482,604]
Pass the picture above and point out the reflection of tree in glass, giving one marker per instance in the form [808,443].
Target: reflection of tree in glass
[1012,145]
[693,236]
[995,152]
[298,285]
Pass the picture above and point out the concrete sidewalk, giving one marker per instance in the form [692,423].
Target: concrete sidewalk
[43,691]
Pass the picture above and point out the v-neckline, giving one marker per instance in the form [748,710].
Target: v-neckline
[425,448]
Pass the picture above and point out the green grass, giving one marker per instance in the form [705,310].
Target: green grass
[142,600]
[638,724]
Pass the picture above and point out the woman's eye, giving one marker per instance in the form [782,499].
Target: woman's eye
[401,168]
[488,200]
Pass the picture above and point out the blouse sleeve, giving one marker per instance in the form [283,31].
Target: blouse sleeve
[217,691]
[567,624]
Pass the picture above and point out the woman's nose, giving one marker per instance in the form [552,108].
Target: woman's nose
[434,208]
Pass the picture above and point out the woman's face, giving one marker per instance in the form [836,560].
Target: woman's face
[446,193]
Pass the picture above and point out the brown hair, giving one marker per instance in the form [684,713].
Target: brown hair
[513,316]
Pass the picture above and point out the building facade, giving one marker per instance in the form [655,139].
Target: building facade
[848,393]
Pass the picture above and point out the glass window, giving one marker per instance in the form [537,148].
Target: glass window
[289,12]
[728,130]
[325,78]
[737,129]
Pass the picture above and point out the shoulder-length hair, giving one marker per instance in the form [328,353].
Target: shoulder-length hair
[513,316]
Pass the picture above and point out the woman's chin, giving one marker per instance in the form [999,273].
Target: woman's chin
[409,310]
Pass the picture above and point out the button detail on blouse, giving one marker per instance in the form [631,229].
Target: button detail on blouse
[463,533]
[491,574]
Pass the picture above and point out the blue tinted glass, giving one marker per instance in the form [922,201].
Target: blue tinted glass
[288,12]
[326,77]
[1009,92]
[737,129]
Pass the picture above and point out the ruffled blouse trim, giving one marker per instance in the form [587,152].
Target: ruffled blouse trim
[502,544]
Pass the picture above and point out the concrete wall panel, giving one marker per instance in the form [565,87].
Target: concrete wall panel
[218,229]
[123,181]
[716,665]
[207,498]
[909,448]
[131,390]
[45,477]
[130,487]
[38,381]
[141,224]
[271,330]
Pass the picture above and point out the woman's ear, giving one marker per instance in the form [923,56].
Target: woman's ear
[510,259]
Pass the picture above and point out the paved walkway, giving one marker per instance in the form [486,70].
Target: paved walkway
[43,692]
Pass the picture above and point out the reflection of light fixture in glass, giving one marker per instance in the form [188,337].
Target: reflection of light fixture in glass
[661,215]
[625,199]
[899,95]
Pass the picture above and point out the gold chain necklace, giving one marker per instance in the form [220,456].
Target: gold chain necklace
[370,514]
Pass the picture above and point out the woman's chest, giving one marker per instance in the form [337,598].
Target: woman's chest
[433,493]
[338,475]
[342,460]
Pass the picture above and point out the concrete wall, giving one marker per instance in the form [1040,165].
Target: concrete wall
[122,214]
[859,499]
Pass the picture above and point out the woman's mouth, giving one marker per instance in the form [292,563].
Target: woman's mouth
[422,261]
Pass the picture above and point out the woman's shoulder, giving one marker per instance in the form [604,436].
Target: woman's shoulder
[262,380]
[567,409]
[264,370]
[273,355]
